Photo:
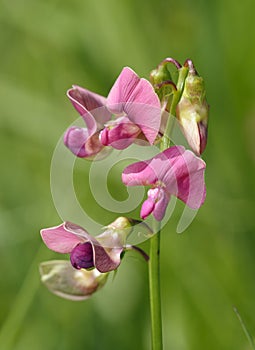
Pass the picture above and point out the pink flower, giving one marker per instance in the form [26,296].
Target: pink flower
[102,252]
[136,114]
[137,108]
[175,171]
[84,142]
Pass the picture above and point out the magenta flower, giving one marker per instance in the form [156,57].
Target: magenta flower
[102,252]
[175,171]
[136,108]
[132,103]
[84,142]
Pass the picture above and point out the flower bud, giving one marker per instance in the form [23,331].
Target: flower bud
[159,75]
[160,79]
[116,233]
[65,281]
[192,112]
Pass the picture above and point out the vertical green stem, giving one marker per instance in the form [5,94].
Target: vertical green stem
[154,262]
[154,288]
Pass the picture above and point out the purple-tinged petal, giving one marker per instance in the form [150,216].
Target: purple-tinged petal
[119,133]
[62,240]
[63,280]
[82,256]
[102,252]
[137,98]
[85,101]
[81,144]
[139,173]
[156,204]
[192,190]
[75,139]
[183,176]
[202,130]
[175,171]
[161,205]
[107,259]
[148,172]
[111,244]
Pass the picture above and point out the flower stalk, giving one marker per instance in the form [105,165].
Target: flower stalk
[142,112]
[154,262]
[154,289]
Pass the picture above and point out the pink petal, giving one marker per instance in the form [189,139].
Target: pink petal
[194,194]
[136,97]
[146,116]
[139,173]
[106,261]
[120,133]
[177,170]
[75,139]
[91,107]
[81,144]
[122,90]
[156,204]
[160,207]
[61,239]
[147,208]
[183,176]
[148,172]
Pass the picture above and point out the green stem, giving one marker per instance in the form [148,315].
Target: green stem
[154,288]
[154,262]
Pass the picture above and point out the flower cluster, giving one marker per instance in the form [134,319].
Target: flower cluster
[129,113]
[135,111]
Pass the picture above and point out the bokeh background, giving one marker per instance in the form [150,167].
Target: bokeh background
[48,45]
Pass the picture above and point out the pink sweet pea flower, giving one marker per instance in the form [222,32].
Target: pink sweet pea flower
[84,142]
[132,103]
[175,171]
[134,99]
[102,252]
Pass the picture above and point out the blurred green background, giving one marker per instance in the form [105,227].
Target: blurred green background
[46,46]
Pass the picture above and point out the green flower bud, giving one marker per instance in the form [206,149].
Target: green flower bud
[159,75]
[192,112]
[62,279]
[162,81]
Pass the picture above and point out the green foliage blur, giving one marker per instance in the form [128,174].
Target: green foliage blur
[46,46]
